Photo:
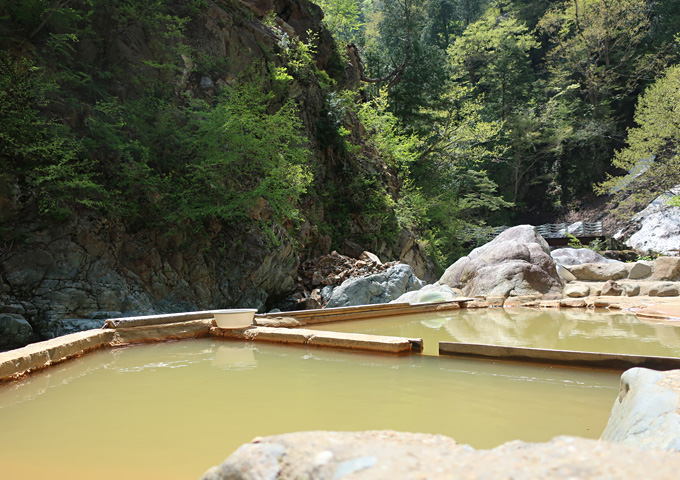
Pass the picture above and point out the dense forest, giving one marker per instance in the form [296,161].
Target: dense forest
[466,114]
[534,104]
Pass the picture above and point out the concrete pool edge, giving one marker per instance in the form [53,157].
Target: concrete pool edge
[571,358]
[40,355]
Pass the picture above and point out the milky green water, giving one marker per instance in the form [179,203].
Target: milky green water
[171,410]
[577,329]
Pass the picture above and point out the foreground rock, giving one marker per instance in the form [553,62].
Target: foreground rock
[378,288]
[515,263]
[646,414]
[393,455]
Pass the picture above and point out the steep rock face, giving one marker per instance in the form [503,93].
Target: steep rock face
[74,277]
[517,262]
[392,455]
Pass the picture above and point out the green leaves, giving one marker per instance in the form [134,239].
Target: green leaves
[244,154]
[38,147]
[342,18]
[596,43]
[654,145]
[492,57]
[395,147]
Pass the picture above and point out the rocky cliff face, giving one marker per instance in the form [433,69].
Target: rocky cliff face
[56,278]
[73,277]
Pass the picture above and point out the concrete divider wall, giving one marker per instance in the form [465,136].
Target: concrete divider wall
[613,361]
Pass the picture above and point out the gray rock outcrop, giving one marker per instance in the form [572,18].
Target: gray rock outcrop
[388,455]
[577,290]
[657,227]
[646,413]
[517,262]
[640,270]
[66,279]
[577,256]
[611,289]
[377,288]
[15,331]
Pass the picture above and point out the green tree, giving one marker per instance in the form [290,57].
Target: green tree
[492,57]
[244,153]
[651,157]
[413,69]
[37,146]
[455,190]
[596,43]
[446,19]
[342,18]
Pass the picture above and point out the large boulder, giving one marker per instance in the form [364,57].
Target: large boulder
[657,227]
[517,262]
[381,287]
[599,272]
[640,269]
[577,256]
[379,455]
[646,413]
[666,268]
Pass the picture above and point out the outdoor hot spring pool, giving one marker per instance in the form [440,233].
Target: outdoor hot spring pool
[559,329]
[171,410]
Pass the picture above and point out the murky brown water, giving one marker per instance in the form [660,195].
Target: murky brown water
[578,329]
[172,410]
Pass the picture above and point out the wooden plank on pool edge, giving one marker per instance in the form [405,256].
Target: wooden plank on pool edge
[612,361]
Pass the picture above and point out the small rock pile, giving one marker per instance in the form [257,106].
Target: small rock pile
[331,270]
